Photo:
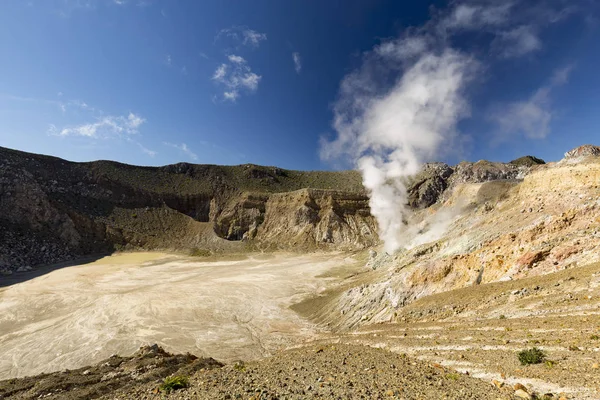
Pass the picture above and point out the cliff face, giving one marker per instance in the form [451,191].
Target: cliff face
[317,218]
[53,210]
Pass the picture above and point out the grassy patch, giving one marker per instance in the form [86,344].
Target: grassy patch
[531,356]
[452,376]
[173,383]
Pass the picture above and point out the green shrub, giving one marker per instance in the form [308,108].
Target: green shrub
[452,376]
[531,356]
[172,383]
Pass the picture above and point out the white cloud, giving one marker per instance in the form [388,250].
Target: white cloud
[530,117]
[231,96]
[220,72]
[168,60]
[518,41]
[252,37]
[236,76]
[561,75]
[183,148]
[242,35]
[250,80]
[297,62]
[470,16]
[104,127]
[236,59]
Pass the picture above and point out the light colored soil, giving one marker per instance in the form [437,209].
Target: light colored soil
[236,308]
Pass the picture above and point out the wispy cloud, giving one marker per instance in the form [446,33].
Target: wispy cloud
[236,75]
[168,60]
[146,150]
[530,117]
[518,41]
[252,37]
[104,127]
[63,105]
[297,62]
[242,35]
[236,59]
[183,148]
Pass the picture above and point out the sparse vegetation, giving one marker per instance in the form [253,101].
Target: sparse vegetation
[452,376]
[196,252]
[173,383]
[531,356]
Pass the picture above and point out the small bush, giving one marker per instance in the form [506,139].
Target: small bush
[172,383]
[452,376]
[594,337]
[531,356]
[196,252]
[502,316]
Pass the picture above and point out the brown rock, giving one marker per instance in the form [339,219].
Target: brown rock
[518,386]
[522,394]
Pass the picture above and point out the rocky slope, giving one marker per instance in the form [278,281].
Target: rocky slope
[498,258]
[53,210]
[480,233]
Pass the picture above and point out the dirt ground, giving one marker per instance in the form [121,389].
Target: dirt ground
[229,308]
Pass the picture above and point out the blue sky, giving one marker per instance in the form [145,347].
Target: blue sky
[155,82]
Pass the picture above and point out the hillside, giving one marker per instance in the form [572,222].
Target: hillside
[55,210]
[499,258]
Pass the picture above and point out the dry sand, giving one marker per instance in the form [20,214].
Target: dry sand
[227,309]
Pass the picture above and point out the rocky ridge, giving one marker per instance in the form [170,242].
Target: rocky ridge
[480,233]
[54,210]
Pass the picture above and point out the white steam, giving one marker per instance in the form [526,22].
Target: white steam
[390,135]
[402,106]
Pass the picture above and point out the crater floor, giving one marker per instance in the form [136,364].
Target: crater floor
[228,309]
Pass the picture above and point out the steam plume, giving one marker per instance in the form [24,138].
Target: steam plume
[390,133]
[402,106]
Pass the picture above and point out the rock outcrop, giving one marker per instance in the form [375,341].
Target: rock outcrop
[317,218]
[481,233]
[583,151]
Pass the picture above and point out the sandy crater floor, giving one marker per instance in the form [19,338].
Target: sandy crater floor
[226,309]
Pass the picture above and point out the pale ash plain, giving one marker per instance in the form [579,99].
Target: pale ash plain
[228,309]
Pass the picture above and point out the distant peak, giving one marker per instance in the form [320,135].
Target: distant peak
[583,151]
